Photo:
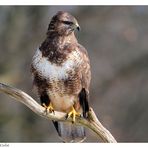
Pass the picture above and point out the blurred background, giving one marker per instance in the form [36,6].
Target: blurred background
[117,42]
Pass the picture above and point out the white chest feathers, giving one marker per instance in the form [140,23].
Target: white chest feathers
[52,71]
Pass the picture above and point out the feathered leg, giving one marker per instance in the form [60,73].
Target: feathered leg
[69,132]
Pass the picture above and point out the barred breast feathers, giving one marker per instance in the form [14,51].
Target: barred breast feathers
[47,69]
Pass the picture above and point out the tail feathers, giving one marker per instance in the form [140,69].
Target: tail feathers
[70,132]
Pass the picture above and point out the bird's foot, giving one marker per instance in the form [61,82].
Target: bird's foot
[49,108]
[73,114]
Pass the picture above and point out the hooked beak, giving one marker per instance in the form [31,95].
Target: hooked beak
[77,26]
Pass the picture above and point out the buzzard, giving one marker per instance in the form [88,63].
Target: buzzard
[61,71]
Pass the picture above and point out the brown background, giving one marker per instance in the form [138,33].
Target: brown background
[117,42]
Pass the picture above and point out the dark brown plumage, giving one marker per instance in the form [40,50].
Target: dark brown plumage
[61,72]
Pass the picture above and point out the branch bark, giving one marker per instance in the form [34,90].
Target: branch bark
[92,122]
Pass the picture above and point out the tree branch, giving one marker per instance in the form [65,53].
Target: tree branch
[92,122]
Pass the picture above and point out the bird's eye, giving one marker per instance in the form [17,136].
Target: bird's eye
[67,22]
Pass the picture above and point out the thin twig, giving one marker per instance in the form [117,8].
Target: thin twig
[92,122]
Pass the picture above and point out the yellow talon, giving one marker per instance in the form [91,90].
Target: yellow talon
[49,108]
[73,114]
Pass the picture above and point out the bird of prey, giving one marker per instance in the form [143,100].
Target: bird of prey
[61,72]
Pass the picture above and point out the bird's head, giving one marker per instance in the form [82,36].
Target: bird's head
[63,23]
